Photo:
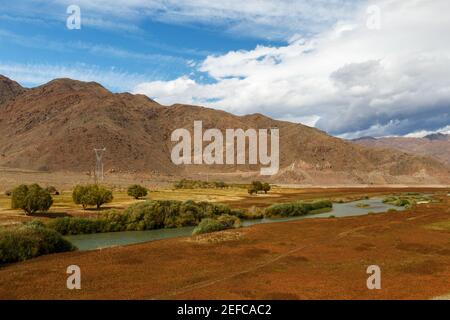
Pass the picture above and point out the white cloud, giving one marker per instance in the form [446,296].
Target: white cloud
[37,74]
[355,81]
[268,19]
[423,133]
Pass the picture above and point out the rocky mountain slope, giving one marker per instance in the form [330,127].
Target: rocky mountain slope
[434,145]
[54,127]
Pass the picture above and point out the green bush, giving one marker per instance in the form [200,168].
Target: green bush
[209,225]
[31,198]
[29,241]
[91,195]
[137,191]
[146,215]
[299,208]
[258,186]
[252,213]
[198,184]
[220,184]
[77,225]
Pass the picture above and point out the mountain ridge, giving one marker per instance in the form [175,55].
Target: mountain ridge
[55,127]
[435,145]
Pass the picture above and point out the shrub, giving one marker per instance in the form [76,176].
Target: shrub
[52,190]
[258,186]
[8,193]
[251,214]
[198,184]
[29,241]
[220,184]
[91,195]
[76,225]
[299,208]
[145,215]
[137,191]
[31,198]
[209,225]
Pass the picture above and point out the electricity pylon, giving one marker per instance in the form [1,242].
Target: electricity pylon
[98,173]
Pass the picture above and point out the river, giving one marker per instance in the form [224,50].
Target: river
[105,240]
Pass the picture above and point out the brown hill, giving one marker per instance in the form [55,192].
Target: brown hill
[9,90]
[54,127]
[436,145]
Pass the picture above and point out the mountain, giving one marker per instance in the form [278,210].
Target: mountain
[435,145]
[438,137]
[9,90]
[54,127]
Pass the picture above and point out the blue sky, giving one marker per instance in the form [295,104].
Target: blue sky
[35,33]
[349,67]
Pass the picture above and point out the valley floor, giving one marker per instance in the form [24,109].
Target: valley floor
[305,259]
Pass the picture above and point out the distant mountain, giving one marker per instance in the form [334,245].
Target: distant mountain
[438,137]
[364,138]
[54,127]
[434,145]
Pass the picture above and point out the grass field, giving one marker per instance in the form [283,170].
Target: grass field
[234,197]
[305,259]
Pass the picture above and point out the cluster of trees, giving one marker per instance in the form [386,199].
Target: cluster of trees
[91,195]
[34,198]
[199,184]
[146,215]
[258,186]
[298,208]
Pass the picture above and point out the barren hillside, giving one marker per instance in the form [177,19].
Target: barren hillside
[54,127]
[436,145]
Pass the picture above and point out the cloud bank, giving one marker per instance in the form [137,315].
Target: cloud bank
[349,80]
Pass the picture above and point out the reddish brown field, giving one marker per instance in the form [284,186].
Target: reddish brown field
[306,259]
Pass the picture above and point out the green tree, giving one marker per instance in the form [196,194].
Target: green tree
[265,187]
[137,191]
[31,198]
[91,195]
[257,185]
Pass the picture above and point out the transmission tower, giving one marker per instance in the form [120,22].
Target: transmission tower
[98,174]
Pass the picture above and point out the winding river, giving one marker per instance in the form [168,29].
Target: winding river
[105,240]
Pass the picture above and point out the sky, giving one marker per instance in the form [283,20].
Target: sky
[349,67]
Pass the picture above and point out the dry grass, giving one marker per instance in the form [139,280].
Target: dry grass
[305,259]
[441,226]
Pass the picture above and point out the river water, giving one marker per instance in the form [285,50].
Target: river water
[104,240]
